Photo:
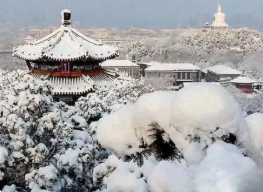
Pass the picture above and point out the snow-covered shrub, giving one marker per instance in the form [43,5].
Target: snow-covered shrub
[43,143]
[116,175]
[171,125]
[122,91]
[207,112]
[44,179]
[223,168]
[111,96]
[255,127]
[91,107]
[122,125]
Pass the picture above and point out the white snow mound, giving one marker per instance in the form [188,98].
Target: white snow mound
[207,110]
[153,107]
[255,127]
[118,132]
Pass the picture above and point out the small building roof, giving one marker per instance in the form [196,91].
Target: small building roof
[65,44]
[172,67]
[243,80]
[185,84]
[118,63]
[223,70]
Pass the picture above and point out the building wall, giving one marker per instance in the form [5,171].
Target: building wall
[173,78]
[133,71]
[211,77]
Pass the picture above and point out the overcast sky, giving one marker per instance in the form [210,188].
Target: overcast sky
[131,13]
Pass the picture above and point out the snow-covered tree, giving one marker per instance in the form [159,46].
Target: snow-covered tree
[47,145]
[44,145]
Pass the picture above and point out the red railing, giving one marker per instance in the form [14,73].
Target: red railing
[70,74]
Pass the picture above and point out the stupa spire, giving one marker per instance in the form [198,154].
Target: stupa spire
[219,9]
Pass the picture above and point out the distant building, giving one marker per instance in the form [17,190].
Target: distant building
[245,84]
[174,74]
[144,65]
[221,73]
[131,68]
[219,19]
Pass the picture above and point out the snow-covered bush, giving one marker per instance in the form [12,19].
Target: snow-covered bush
[170,124]
[255,127]
[223,168]
[116,175]
[111,96]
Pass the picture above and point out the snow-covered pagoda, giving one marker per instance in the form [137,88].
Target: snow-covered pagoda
[68,59]
[219,19]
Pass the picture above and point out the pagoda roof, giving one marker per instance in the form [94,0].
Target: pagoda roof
[65,44]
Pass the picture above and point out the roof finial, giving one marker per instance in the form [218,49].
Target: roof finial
[66,17]
[219,9]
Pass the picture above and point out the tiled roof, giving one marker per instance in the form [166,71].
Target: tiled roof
[223,70]
[65,44]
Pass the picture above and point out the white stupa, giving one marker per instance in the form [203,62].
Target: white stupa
[219,18]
